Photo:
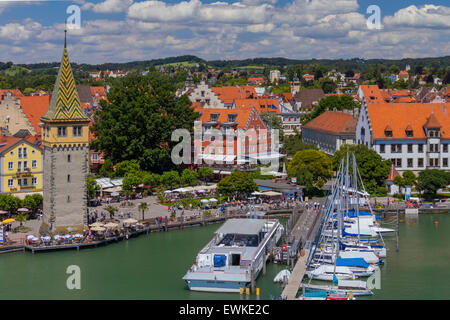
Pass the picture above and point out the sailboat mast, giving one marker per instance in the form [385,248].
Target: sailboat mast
[355,177]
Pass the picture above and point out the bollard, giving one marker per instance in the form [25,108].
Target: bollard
[241,293]
[257,293]
[350,295]
[247,293]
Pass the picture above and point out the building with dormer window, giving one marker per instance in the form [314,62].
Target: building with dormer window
[414,136]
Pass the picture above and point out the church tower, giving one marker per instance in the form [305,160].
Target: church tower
[65,140]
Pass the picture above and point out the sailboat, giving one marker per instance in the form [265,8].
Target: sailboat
[347,242]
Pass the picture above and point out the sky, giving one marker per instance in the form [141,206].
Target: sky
[133,30]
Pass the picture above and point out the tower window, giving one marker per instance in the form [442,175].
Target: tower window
[62,132]
[68,158]
[68,178]
[77,131]
[68,198]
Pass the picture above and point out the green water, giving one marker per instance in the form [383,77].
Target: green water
[151,267]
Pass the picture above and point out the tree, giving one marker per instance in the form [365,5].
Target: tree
[137,121]
[316,162]
[189,177]
[431,180]
[143,206]
[151,179]
[132,180]
[32,202]
[92,187]
[344,102]
[372,168]
[8,202]
[107,169]
[205,173]
[294,143]
[111,210]
[170,178]
[238,184]
[126,166]
[305,178]
[21,218]
[272,120]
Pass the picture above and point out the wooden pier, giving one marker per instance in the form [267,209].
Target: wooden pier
[303,231]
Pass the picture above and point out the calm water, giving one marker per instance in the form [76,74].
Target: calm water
[151,267]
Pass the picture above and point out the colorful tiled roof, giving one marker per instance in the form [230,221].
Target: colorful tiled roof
[65,104]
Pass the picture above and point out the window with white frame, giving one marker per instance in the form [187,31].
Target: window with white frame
[34,181]
[10,183]
[10,165]
[34,164]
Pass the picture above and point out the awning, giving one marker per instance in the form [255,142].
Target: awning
[113,190]
[272,193]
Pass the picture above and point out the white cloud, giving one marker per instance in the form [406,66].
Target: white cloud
[195,11]
[250,28]
[425,16]
[107,6]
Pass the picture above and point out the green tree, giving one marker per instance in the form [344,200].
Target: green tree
[272,120]
[238,184]
[111,210]
[316,162]
[132,180]
[205,173]
[92,187]
[8,202]
[107,169]
[32,202]
[189,177]
[170,179]
[143,206]
[305,178]
[126,166]
[151,179]
[294,143]
[21,218]
[137,121]
[431,180]
[344,102]
[372,168]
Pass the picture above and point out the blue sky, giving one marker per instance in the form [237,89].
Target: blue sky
[127,30]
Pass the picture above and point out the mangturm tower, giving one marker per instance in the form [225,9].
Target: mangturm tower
[65,140]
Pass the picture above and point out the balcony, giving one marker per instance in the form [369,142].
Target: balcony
[23,172]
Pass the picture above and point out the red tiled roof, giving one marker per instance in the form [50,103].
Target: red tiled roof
[261,105]
[333,122]
[416,115]
[393,173]
[34,108]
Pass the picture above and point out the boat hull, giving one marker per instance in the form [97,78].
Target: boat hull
[215,286]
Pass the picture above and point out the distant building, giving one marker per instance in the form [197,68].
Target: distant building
[330,130]
[306,99]
[274,76]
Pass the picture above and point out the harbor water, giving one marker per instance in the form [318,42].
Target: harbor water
[151,267]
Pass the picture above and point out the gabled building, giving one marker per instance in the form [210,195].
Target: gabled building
[21,169]
[414,136]
[305,100]
[330,130]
